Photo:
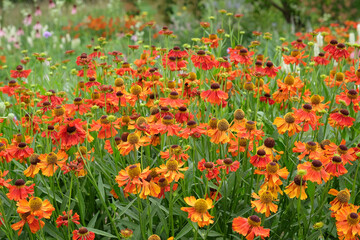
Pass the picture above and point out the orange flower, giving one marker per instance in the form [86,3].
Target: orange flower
[316,102]
[133,178]
[36,207]
[33,169]
[134,142]
[175,152]
[171,171]
[173,100]
[310,149]
[347,222]
[77,106]
[34,224]
[167,125]
[307,117]
[20,191]
[293,190]
[214,95]
[264,203]
[71,133]
[20,151]
[49,163]
[192,130]
[104,128]
[347,155]
[315,171]
[296,57]
[198,210]
[341,200]
[222,132]
[287,124]
[250,227]
[273,173]
[3,182]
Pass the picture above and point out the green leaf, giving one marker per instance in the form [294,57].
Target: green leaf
[101,233]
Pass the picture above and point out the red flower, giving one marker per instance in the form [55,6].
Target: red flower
[83,234]
[340,52]
[341,119]
[20,190]
[270,70]
[261,159]
[205,62]
[214,95]
[63,220]
[298,44]
[250,227]
[20,72]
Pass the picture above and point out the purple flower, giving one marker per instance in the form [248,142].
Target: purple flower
[47,34]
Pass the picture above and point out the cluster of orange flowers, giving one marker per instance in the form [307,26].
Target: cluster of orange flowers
[157,101]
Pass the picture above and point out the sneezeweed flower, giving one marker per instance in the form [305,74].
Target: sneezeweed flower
[193,130]
[296,57]
[34,224]
[221,134]
[273,174]
[20,151]
[212,171]
[71,133]
[104,127]
[264,204]
[316,102]
[3,182]
[228,164]
[340,52]
[173,100]
[172,170]
[346,154]
[335,167]
[203,61]
[270,70]
[348,97]
[33,169]
[342,199]
[83,234]
[331,47]
[311,150]
[126,233]
[133,178]
[287,124]
[36,207]
[260,159]
[315,171]
[65,218]
[297,188]
[250,227]
[19,190]
[49,163]
[183,115]
[298,44]
[306,117]
[20,72]
[241,55]
[348,222]
[214,95]
[321,59]
[167,125]
[198,212]
[212,40]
